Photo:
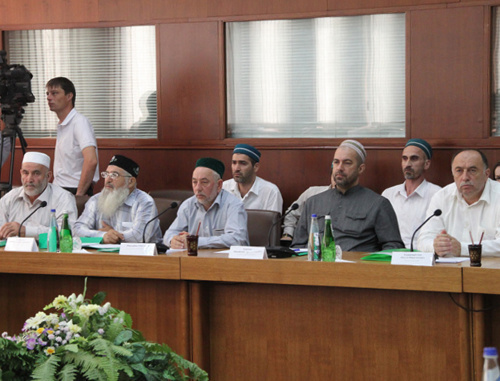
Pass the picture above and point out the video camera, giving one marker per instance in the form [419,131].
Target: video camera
[15,91]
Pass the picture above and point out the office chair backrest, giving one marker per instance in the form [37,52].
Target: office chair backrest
[260,223]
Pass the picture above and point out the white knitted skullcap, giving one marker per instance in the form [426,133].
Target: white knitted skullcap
[356,146]
[37,158]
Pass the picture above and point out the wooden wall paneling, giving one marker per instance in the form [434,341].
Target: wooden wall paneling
[25,12]
[175,9]
[189,77]
[221,8]
[125,10]
[447,73]
[373,4]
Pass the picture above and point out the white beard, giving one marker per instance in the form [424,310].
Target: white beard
[110,200]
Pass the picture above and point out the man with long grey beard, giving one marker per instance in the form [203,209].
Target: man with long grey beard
[120,211]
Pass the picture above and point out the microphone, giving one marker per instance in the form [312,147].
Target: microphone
[43,204]
[294,206]
[280,251]
[437,212]
[173,205]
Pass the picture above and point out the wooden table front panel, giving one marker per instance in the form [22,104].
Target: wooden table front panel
[159,308]
[280,332]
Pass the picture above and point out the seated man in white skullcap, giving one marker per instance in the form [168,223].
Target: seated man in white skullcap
[362,220]
[16,205]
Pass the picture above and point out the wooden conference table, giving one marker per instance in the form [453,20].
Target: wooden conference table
[281,319]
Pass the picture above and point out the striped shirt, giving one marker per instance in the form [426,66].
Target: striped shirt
[129,219]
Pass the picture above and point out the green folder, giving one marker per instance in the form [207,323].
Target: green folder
[382,256]
[87,240]
[42,240]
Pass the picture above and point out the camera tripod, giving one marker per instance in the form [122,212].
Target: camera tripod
[10,132]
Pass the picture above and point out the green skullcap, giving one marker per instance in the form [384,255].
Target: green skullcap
[422,144]
[213,164]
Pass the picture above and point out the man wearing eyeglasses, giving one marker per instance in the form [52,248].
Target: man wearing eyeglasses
[120,212]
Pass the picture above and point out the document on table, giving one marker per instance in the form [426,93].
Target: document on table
[452,260]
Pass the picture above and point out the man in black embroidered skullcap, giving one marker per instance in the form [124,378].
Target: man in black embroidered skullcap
[217,216]
[120,212]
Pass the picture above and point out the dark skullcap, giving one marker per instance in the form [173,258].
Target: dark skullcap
[213,164]
[125,163]
[422,144]
[248,150]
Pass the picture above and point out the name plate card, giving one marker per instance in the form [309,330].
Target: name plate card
[412,258]
[21,244]
[129,248]
[247,252]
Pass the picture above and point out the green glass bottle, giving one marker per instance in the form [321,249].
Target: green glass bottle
[328,242]
[65,238]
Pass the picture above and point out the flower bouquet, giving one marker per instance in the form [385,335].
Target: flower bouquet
[87,340]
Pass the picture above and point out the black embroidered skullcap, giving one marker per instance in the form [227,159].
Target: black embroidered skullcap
[213,164]
[125,163]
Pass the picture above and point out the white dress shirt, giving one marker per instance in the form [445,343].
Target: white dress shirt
[73,135]
[460,219]
[263,195]
[411,210]
[15,206]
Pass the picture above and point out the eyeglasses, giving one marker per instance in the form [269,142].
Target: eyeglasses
[112,175]
[497,178]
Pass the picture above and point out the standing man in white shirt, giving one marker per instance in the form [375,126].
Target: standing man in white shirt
[75,160]
[254,192]
[470,210]
[411,199]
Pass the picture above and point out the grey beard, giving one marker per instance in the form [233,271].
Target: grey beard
[109,201]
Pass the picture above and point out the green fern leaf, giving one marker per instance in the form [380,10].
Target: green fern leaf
[84,361]
[67,373]
[46,370]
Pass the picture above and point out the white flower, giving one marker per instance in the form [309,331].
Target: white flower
[34,322]
[104,309]
[59,301]
[73,327]
[88,310]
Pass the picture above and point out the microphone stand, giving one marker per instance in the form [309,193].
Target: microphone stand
[160,246]
[43,204]
[437,212]
[280,251]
